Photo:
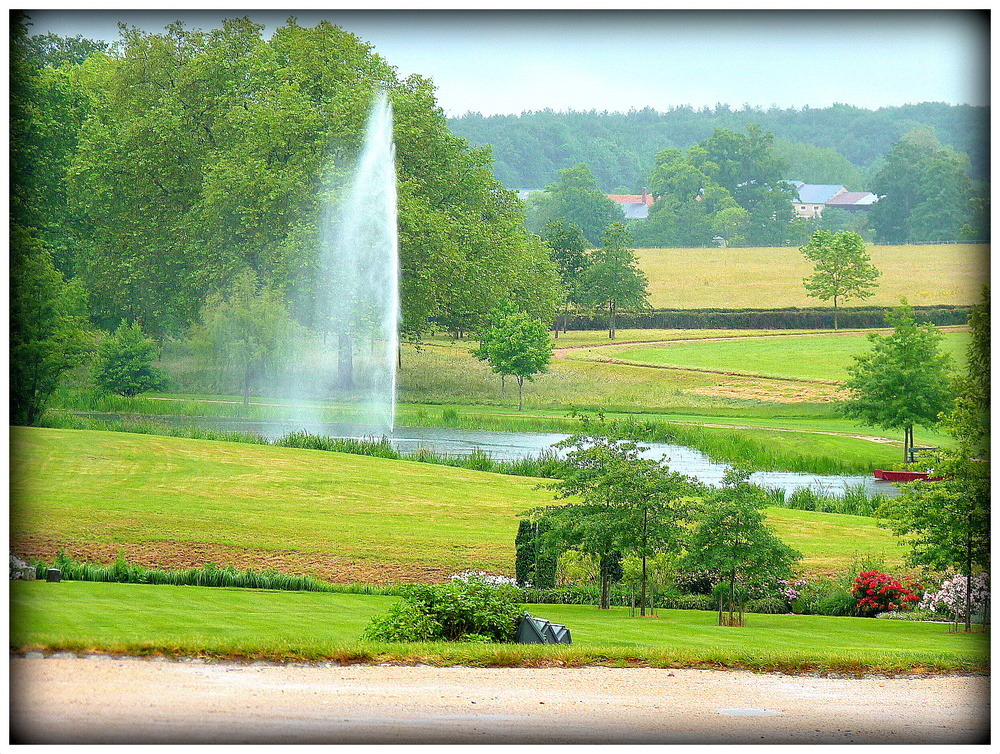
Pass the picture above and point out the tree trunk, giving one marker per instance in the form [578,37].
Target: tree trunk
[246,384]
[611,320]
[520,390]
[835,313]
[605,602]
[345,361]
[642,590]
[907,442]
[968,583]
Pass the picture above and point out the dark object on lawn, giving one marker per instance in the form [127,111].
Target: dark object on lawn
[53,575]
[540,631]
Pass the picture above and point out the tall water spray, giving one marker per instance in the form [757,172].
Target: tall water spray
[350,364]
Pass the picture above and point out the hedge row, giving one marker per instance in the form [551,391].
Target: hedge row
[789,318]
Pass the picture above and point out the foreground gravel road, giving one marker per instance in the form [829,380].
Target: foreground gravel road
[60,700]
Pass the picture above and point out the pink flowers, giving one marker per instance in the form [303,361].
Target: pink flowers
[879,592]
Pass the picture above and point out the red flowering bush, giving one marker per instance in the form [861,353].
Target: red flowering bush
[878,592]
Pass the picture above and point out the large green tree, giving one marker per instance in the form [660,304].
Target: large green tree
[613,281]
[903,380]
[927,195]
[946,523]
[197,155]
[48,327]
[125,362]
[575,198]
[842,270]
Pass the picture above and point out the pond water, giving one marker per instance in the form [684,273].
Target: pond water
[511,446]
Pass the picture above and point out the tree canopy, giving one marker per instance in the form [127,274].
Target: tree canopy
[159,170]
[613,280]
[843,268]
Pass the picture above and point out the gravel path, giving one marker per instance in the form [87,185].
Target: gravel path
[66,700]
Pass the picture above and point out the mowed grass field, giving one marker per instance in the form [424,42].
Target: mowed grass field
[809,357]
[771,278]
[173,502]
[145,619]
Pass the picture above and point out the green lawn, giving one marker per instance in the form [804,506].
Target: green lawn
[179,502]
[135,618]
[808,357]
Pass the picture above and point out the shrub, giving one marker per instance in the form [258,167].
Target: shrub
[878,592]
[451,612]
[915,614]
[696,582]
[768,605]
[532,566]
[124,364]
[949,599]
[824,597]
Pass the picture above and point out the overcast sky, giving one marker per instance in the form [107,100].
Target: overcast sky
[514,61]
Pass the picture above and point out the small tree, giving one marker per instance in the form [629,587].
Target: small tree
[732,539]
[244,331]
[613,280]
[124,364]
[904,380]
[843,268]
[569,252]
[515,344]
[631,505]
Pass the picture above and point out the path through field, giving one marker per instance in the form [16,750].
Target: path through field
[60,700]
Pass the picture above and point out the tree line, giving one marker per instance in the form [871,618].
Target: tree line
[731,188]
[836,144]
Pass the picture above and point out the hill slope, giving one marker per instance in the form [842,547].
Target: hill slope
[179,503]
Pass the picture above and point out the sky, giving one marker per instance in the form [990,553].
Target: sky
[503,62]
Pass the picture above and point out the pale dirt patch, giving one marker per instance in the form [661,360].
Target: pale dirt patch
[772,391]
[105,701]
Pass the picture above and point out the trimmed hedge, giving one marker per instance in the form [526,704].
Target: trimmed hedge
[789,318]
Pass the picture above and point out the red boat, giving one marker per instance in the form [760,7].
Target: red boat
[905,476]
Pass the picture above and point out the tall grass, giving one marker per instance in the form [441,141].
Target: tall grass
[856,500]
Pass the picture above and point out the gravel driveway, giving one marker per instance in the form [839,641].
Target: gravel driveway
[65,699]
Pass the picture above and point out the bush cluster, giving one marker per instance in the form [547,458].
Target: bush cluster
[461,610]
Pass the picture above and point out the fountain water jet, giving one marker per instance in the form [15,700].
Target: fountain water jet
[352,359]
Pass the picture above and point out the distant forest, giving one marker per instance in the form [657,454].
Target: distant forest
[839,144]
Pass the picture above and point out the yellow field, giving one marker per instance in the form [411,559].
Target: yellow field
[771,278]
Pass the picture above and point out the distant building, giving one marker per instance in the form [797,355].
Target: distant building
[814,197]
[634,206]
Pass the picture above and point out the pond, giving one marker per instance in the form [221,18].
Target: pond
[511,446]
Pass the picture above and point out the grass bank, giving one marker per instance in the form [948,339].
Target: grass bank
[180,503]
[284,626]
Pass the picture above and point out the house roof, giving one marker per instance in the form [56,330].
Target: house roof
[646,199]
[855,198]
[818,193]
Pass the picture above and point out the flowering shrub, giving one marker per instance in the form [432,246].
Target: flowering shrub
[950,598]
[790,590]
[878,592]
[490,579]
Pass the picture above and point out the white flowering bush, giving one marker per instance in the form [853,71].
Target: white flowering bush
[949,599]
[490,579]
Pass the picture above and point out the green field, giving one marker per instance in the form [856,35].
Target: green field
[771,278]
[181,503]
[143,619]
[805,357]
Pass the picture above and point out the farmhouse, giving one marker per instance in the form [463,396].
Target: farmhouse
[814,197]
[634,206]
